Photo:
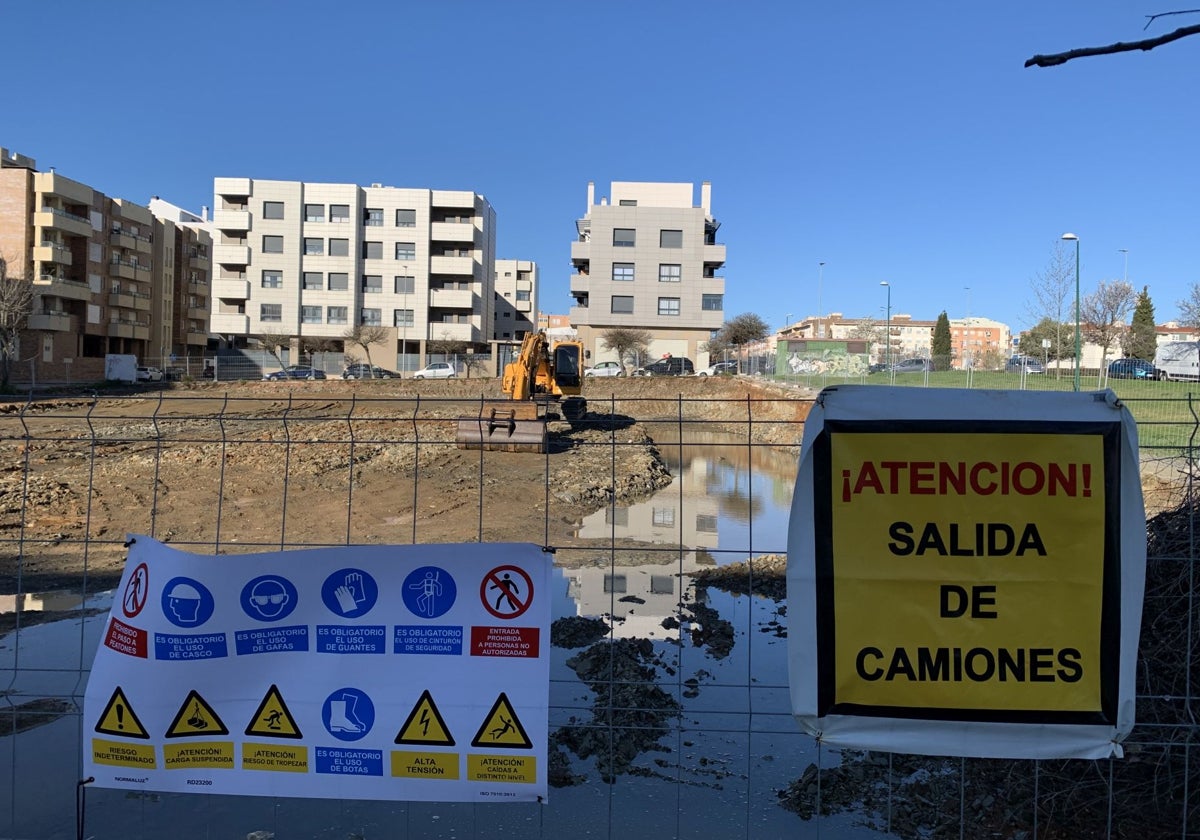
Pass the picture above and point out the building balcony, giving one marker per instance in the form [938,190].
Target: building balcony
[70,191]
[231,289]
[578,315]
[581,252]
[122,300]
[231,219]
[51,321]
[197,312]
[229,323]
[52,253]
[124,270]
[231,254]
[439,331]
[452,265]
[523,306]
[581,283]
[714,255]
[129,329]
[231,186]
[142,244]
[120,239]
[452,232]
[196,338]
[143,272]
[61,287]
[199,262]
[61,220]
[452,298]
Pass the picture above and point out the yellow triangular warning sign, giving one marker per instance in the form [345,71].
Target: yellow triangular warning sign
[273,719]
[195,717]
[502,728]
[425,725]
[118,718]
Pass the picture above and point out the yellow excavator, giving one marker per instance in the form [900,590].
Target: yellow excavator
[545,378]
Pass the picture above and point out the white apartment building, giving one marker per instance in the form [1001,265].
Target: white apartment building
[646,258]
[313,260]
[516,297]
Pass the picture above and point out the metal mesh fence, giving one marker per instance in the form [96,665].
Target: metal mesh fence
[669,707]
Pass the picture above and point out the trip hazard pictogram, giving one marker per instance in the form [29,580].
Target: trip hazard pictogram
[502,728]
[273,719]
[425,725]
[118,718]
[136,591]
[506,591]
[195,717]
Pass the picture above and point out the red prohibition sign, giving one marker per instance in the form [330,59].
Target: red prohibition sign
[499,587]
[136,591]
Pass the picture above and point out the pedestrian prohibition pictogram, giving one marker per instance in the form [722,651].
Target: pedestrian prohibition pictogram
[502,728]
[135,591]
[195,717]
[118,718]
[273,720]
[506,591]
[425,725]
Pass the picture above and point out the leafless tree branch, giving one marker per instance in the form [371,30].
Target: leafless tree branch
[1122,46]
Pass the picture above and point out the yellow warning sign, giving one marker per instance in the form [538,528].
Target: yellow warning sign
[285,758]
[195,717]
[121,754]
[519,769]
[502,728]
[118,719]
[424,765]
[217,754]
[425,726]
[273,720]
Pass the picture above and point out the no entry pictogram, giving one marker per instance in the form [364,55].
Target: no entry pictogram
[506,591]
[136,591]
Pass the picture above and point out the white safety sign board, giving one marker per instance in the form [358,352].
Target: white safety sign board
[966,571]
[414,672]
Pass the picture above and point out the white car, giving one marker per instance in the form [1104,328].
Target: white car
[149,374]
[719,368]
[436,370]
[605,369]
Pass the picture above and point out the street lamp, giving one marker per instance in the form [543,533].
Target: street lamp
[820,279]
[888,334]
[1070,237]
[1125,251]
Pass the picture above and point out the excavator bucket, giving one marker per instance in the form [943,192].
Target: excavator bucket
[512,428]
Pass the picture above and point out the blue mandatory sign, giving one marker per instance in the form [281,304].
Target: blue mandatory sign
[429,592]
[269,598]
[349,593]
[348,714]
[186,602]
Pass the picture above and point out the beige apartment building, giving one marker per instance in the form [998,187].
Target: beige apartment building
[98,286]
[312,260]
[646,257]
[516,290]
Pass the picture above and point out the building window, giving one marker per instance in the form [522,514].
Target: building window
[615,583]
[402,318]
[622,304]
[369,317]
[372,217]
[406,218]
[335,314]
[272,209]
[627,202]
[624,238]
[669,272]
[270,312]
[622,271]
[706,523]
[406,250]
[310,314]
[339,247]
[670,239]
[339,212]
[314,246]
[663,517]
[272,279]
[668,306]
[312,281]
[712,303]
[339,281]
[522,295]
[314,212]
[372,250]
[272,245]
[404,285]
[372,284]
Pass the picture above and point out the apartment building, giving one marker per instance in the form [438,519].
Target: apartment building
[978,342]
[312,260]
[646,257]
[90,261]
[184,251]
[516,290]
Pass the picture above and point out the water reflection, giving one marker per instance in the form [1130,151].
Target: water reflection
[56,601]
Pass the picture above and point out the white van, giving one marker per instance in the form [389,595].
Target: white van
[1178,360]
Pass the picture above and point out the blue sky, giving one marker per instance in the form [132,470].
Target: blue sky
[894,141]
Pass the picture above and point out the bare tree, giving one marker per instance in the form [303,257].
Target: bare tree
[1146,44]
[631,345]
[1104,314]
[473,363]
[16,303]
[272,341]
[1189,307]
[870,331]
[364,335]
[1052,288]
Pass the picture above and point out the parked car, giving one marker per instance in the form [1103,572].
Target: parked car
[719,368]
[605,369]
[912,366]
[148,374]
[361,371]
[296,372]
[1030,365]
[436,370]
[1130,369]
[668,366]
[878,367]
